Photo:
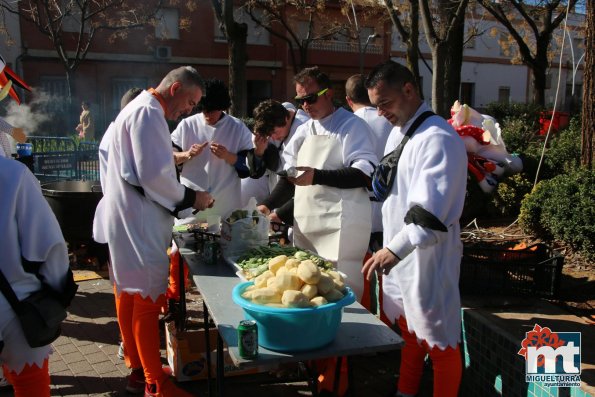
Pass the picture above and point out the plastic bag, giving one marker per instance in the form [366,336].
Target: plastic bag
[239,234]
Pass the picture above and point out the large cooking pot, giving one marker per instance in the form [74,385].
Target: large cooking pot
[74,203]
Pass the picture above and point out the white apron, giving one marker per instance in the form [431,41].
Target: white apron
[334,223]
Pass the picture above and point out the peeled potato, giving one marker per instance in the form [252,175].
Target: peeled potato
[261,281]
[309,290]
[318,301]
[265,295]
[333,295]
[308,272]
[335,275]
[325,284]
[292,298]
[276,262]
[292,263]
[339,284]
[271,282]
[285,281]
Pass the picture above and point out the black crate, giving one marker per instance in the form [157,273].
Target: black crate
[535,271]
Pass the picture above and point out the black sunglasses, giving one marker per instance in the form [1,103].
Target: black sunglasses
[311,98]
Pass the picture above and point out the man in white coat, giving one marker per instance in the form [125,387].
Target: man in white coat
[135,218]
[357,98]
[331,208]
[422,250]
[30,232]
[209,143]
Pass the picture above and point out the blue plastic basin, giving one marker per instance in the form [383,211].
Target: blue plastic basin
[293,329]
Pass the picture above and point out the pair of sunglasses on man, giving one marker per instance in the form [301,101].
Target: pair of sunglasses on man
[311,98]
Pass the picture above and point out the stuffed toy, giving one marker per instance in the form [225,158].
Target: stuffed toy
[7,79]
[488,159]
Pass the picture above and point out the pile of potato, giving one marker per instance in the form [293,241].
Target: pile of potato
[291,282]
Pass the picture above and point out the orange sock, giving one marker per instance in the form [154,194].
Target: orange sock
[173,290]
[145,329]
[32,381]
[447,365]
[124,310]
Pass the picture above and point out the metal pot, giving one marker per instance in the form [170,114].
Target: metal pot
[74,203]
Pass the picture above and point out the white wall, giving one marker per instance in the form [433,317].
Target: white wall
[489,68]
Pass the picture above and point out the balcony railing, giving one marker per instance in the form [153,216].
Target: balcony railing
[344,46]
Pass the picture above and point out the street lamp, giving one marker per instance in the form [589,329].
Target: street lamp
[363,52]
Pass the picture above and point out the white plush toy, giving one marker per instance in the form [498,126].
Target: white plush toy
[488,158]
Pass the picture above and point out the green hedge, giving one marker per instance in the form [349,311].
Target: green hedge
[562,208]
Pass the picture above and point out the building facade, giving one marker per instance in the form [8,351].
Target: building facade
[144,55]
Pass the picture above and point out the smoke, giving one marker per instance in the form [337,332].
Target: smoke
[29,116]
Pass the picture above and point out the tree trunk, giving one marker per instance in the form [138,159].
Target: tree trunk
[453,61]
[439,54]
[413,47]
[588,114]
[237,69]
[540,70]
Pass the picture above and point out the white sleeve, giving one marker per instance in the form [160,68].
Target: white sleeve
[153,160]
[292,147]
[438,184]
[40,235]
[358,147]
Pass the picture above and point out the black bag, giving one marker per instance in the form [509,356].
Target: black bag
[385,172]
[41,315]
[42,312]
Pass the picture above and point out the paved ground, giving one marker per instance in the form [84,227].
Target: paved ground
[85,363]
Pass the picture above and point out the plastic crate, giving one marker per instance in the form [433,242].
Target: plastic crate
[535,270]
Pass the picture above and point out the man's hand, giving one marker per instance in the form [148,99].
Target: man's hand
[305,179]
[203,200]
[273,217]
[260,144]
[382,261]
[221,152]
[196,149]
[263,209]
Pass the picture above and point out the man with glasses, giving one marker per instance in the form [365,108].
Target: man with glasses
[335,157]
[135,217]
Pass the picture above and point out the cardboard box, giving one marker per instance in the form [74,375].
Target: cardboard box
[186,355]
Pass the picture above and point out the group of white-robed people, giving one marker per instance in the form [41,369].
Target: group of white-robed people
[335,153]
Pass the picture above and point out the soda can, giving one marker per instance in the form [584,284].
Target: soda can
[248,339]
[210,252]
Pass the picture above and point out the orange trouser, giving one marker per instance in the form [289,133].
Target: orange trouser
[447,365]
[139,324]
[173,290]
[32,381]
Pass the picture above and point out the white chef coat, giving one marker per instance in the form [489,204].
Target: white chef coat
[424,285]
[381,129]
[208,172]
[335,223]
[103,153]
[357,147]
[29,228]
[138,227]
